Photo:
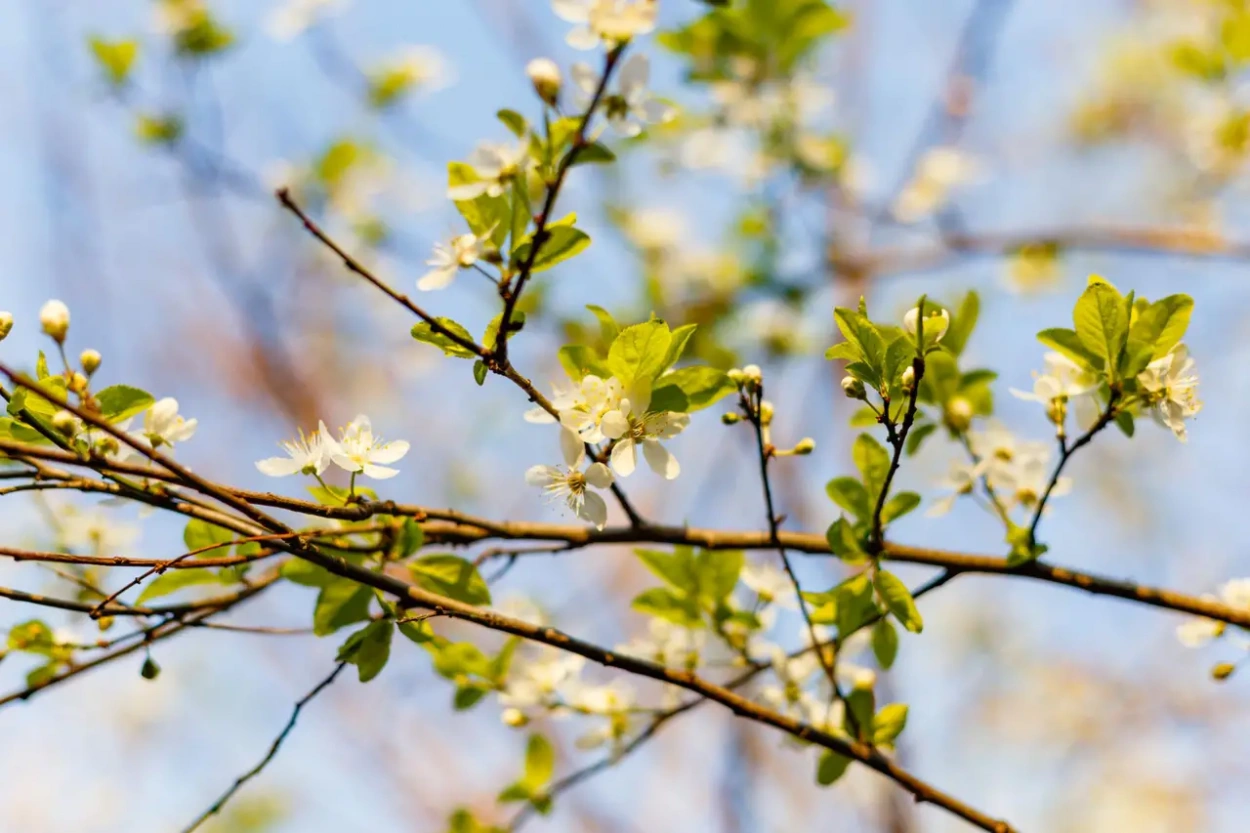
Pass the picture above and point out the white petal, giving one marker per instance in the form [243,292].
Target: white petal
[941,507]
[541,476]
[624,127]
[574,11]
[594,510]
[572,448]
[599,476]
[539,416]
[344,462]
[614,425]
[634,74]
[623,458]
[582,38]
[437,279]
[389,452]
[586,79]
[378,472]
[468,191]
[657,112]
[279,466]
[660,459]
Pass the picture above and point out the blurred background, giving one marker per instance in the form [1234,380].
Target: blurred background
[1074,137]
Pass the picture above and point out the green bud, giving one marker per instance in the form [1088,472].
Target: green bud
[90,360]
[805,446]
[6,324]
[730,418]
[150,670]
[853,388]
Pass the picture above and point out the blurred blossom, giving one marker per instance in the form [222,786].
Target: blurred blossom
[293,17]
[938,173]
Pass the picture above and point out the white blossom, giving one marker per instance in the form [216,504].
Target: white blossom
[632,106]
[583,406]
[460,252]
[1200,630]
[959,481]
[938,172]
[614,702]
[54,319]
[1171,390]
[668,644]
[770,583]
[496,165]
[294,17]
[1064,383]
[305,454]
[605,21]
[539,682]
[571,484]
[95,531]
[358,450]
[632,425]
[163,425]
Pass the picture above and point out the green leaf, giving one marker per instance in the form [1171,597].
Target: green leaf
[578,361]
[307,574]
[846,351]
[1101,321]
[676,568]
[452,576]
[514,792]
[199,534]
[963,321]
[832,766]
[33,636]
[691,389]
[1069,344]
[329,495]
[479,372]
[861,332]
[677,345]
[540,763]
[854,604]
[560,243]
[593,153]
[917,436]
[1124,421]
[884,643]
[639,352]
[899,600]
[468,696]
[514,121]
[898,506]
[849,493]
[898,357]
[844,543]
[888,724]
[483,213]
[41,367]
[608,328]
[873,462]
[411,538]
[667,605]
[1162,325]
[717,572]
[368,649]
[340,602]
[422,331]
[174,580]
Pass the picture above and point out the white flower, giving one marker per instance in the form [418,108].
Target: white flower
[544,74]
[570,483]
[608,21]
[938,172]
[95,531]
[54,318]
[631,106]
[614,702]
[460,252]
[358,450]
[657,230]
[771,584]
[668,644]
[583,406]
[306,455]
[1024,478]
[1064,382]
[1171,390]
[935,323]
[961,480]
[163,425]
[294,17]
[538,682]
[1200,630]
[632,425]
[496,165]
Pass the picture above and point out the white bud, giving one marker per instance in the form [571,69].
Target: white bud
[853,388]
[514,718]
[90,360]
[959,413]
[753,373]
[77,382]
[766,412]
[545,76]
[6,324]
[908,379]
[65,423]
[935,323]
[54,318]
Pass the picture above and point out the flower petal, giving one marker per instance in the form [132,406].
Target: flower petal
[279,466]
[660,459]
[572,448]
[594,510]
[539,416]
[389,452]
[378,472]
[541,476]
[624,458]
[437,279]
[599,476]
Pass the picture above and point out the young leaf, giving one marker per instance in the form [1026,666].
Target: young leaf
[832,766]
[667,605]
[873,462]
[898,506]
[1101,321]
[884,643]
[717,572]
[963,321]
[888,724]
[452,576]
[899,600]
[175,580]
[422,331]
[639,352]
[411,538]
[560,244]
[690,389]
[608,328]
[368,649]
[578,360]
[917,436]
[676,568]
[540,763]
[340,602]
[593,153]
[199,534]
[677,344]
[850,494]
[1069,344]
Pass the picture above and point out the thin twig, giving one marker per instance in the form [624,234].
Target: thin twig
[269,756]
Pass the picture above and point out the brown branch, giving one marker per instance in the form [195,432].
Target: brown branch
[212,603]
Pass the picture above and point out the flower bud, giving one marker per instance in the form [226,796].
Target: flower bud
[864,679]
[753,374]
[54,318]
[150,670]
[853,388]
[1223,671]
[766,412]
[78,383]
[514,718]
[65,423]
[730,418]
[90,360]
[6,324]
[959,414]
[908,380]
[545,76]
[805,446]
[935,323]
[735,375]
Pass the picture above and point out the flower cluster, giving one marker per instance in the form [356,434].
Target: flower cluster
[357,450]
[1016,471]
